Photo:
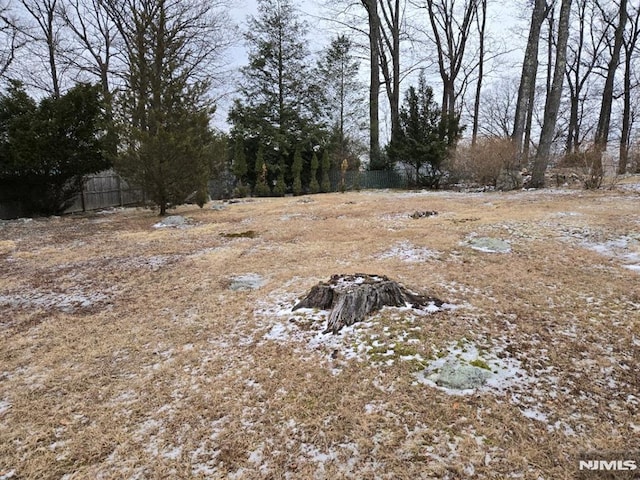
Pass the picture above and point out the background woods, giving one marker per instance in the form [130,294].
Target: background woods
[160,91]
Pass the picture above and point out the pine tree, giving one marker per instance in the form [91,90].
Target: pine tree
[279,101]
[296,170]
[280,187]
[325,186]
[239,168]
[314,186]
[261,188]
[164,109]
[422,142]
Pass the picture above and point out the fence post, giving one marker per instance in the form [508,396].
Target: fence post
[120,196]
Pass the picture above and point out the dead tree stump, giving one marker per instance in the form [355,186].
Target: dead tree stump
[350,298]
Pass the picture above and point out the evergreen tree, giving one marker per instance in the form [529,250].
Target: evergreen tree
[424,137]
[239,160]
[48,148]
[239,167]
[278,101]
[280,187]
[325,185]
[164,112]
[314,186]
[296,170]
[261,188]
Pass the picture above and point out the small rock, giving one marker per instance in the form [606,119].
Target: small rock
[425,214]
[459,376]
[509,180]
[171,221]
[250,281]
[490,245]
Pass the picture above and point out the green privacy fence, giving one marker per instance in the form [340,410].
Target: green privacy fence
[378,179]
[223,186]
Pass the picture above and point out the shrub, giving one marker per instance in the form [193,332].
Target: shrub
[482,163]
[314,186]
[582,163]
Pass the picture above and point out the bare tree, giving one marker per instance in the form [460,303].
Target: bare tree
[371,7]
[95,36]
[481,20]
[629,43]
[450,32]
[552,105]
[585,48]
[10,38]
[389,51]
[46,31]
[526,92]
[497,109]
[604,120]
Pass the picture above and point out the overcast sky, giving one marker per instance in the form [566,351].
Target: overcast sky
[506,24]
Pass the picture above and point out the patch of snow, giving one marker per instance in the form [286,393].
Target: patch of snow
[173,454]
[314,454]
[279,332]
[4,407]
[534,414]
[631,187]
[503,370]
[409,253]
[76,299]
[257,456]
[566,214]
[249,281]
[172,221]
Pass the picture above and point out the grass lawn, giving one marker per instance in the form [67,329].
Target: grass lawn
[125,354]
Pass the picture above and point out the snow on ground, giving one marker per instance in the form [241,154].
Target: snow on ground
[356,342]
[4,407]
[407,252]
[502,370]
[74,299]
[623,248]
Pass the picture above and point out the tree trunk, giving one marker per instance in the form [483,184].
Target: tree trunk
[476,104]
[350,298]
[389,50]
[374,83]
[625,134]
[553,99]
[626,117]
[604,121]
[529,73]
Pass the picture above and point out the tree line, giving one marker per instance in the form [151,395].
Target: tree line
[130,85]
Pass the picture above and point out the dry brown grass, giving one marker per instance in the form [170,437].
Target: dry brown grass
[163,372]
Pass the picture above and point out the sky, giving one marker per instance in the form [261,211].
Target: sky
[507,24]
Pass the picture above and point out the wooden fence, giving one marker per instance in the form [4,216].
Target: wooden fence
[104,190]
[107,189]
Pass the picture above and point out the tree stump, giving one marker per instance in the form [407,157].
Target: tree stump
[350,298]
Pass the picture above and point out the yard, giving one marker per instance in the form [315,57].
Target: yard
[130,351]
